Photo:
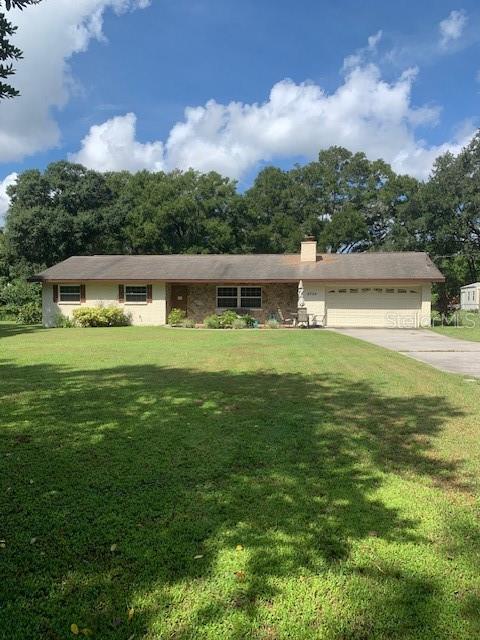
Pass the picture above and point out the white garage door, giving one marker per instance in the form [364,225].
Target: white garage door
[395,307]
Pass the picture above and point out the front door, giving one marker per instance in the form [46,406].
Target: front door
[179,297]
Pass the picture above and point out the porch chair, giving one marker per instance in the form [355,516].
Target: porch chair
[285,320]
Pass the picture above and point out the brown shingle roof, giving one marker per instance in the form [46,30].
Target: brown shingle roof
[242,268]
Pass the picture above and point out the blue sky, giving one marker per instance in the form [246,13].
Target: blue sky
[107,82]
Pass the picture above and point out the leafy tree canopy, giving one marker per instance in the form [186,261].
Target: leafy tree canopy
[8,51]
[346,201]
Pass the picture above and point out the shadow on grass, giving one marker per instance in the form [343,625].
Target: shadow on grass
[9,328]
[178,466]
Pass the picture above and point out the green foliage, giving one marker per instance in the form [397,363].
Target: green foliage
[18,4]
[29,313]
[224,320]
[227,318]
[239,323]
[443,220]
[20,299]
[7,50]
[63,322]
[272,323]
[467,319]
[176,317]
[244,322]
[212,322]
[249,320]
[100,317]
[347,228]
[346,201]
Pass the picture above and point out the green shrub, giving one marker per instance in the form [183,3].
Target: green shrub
[188,323]
[63,322]
[29,313]
[250,321]
[460,318]
[239,323]
[227,318]
[212,322]
[100,317]
[272,323]
[6,314]
[15,295]
[176,317]
[467,319]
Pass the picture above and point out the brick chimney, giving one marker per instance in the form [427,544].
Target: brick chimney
[308,252]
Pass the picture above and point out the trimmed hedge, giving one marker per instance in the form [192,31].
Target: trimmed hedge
[100,317]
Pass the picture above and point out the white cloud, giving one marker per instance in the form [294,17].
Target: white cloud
[418,160]
[365,113]
[365,54]
[111,146]
[452,27]
[375,39]
[4,198]
[49,34]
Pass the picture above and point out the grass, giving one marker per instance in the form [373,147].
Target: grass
[234,485]
[467,329]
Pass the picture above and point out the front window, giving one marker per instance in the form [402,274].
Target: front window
[250,297]
[227,297]
[239,297]
[135,294]
[70,293]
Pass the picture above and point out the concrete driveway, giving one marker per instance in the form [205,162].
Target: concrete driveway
[447,354]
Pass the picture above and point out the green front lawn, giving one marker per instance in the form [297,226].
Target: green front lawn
[470,330]
[234,485]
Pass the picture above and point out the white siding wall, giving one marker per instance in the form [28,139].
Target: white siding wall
[470,298]
[314,296]
[425,318]
[106,294]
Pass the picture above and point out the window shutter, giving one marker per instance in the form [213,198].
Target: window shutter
[149,293]
[55,292]
[82,293]
[121,293]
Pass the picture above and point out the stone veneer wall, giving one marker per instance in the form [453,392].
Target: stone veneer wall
[201,300]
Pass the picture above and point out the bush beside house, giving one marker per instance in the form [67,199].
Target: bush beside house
[100,317]
[229,320]
[21,301]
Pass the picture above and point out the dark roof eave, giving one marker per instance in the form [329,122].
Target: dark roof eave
[237,279]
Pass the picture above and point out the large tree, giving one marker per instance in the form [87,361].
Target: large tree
[180,212]
[443,218]
[279,211]
[347,201]
[9,53]
[69,209]
[359,198]
[57,214]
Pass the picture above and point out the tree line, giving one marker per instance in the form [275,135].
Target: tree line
[346,201]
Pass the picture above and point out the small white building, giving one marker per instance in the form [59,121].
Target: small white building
[470,297]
